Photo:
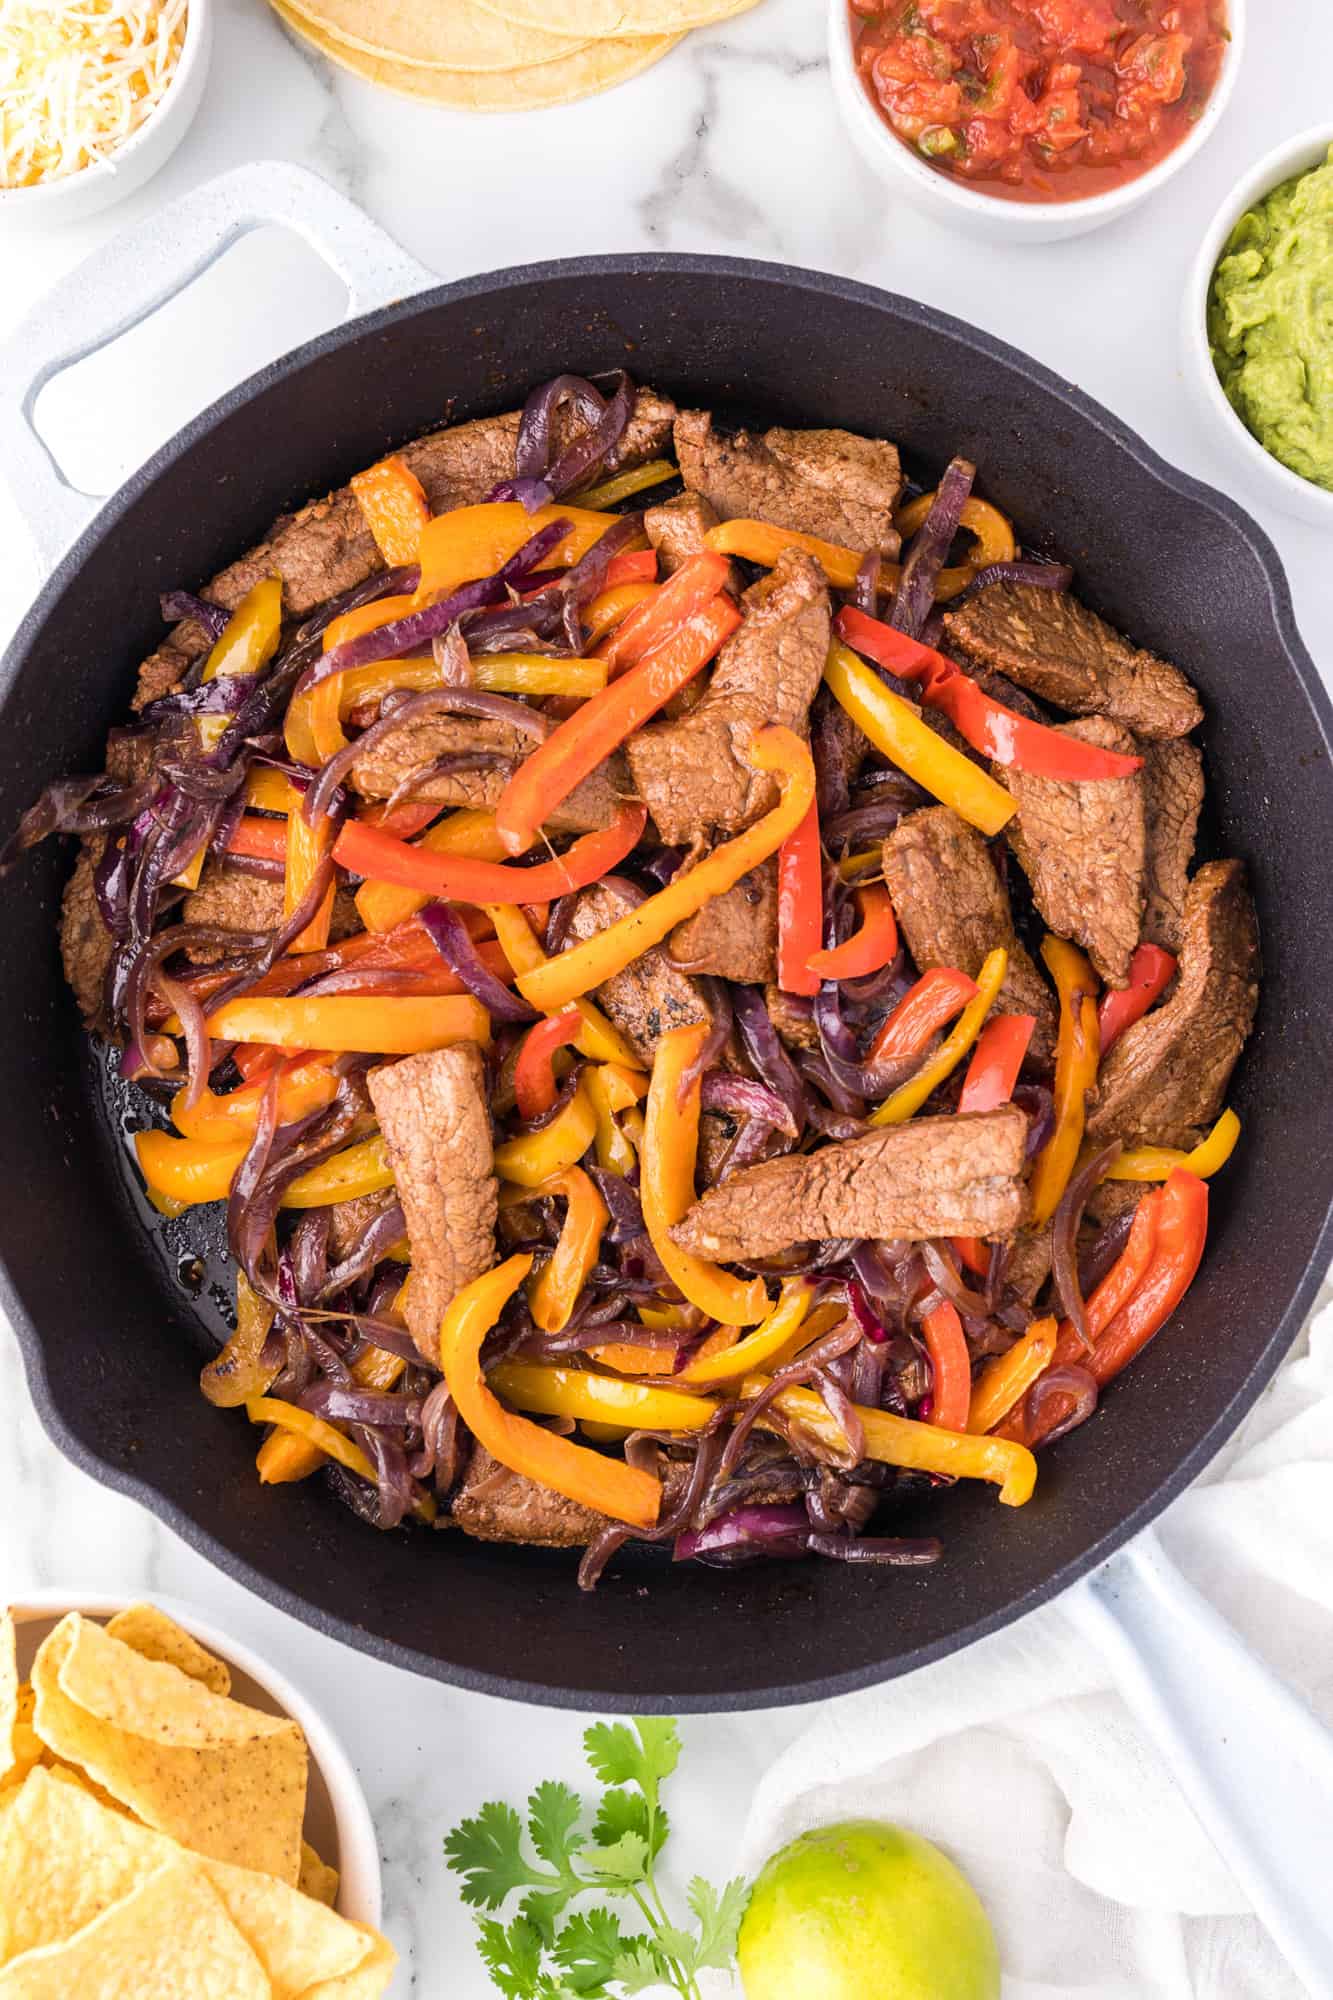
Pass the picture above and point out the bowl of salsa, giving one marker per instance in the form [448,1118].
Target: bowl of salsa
[1042,117]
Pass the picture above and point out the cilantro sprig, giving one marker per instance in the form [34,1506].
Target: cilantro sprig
[551,1951]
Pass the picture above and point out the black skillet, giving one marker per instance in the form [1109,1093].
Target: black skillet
[110,1311]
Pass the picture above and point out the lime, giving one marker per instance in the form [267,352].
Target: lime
[865,1911]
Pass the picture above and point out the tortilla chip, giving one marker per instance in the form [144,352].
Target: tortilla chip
[150,1632]
[603,18]
[223,1779]
[370,1979]
[171,1936]
[598,66]
[9,1692]
[461,36]
[64,1860]
[317,1879]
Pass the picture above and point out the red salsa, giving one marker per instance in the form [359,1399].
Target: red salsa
[1040,100]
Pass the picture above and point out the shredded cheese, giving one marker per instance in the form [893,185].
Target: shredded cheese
[78,77]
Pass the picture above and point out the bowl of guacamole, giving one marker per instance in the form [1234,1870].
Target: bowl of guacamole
[1260,324]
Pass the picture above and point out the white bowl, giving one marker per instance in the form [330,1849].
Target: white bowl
[97,187]
[993,215]
[1285,488]
[337,1818]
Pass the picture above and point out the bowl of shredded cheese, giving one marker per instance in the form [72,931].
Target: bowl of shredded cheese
[95,95]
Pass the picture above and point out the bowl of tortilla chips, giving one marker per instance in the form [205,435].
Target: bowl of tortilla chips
[166,1804]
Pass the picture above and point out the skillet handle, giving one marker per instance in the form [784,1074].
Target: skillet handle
[1254,1762]
[129,278]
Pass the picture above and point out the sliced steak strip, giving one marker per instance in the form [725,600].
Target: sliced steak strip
[1082,846]
[957,1176]
[326,547]
[1029,1262]
[494,1504]
[1169,1072]
[677,529]
[85,942]
[693,773]
[954,911]
[437,1132]
[650,997]
[794,1024]
[415,746]
[1173,798]
[1049,643]
[734,936]
[827,483]
[236,901]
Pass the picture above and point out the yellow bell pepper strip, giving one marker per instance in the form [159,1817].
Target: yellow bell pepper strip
[250,637]
[623,485]
[472,542]
[614,1151]
[284,1456]
[598,1039]
[1005,1381]
[307,849]
[579,1393]
[532,674]
[535,1087]
[359,1169]
[608,609]
[666,1185]
[993,540]
[757,1349]
[692,589]
[607,1485]
[365,850]
[871,947]
[238,1372]
[228,1119]
[759,542]
[323,1437]
[1158,1163]
[587,738]
[774,749]
[382,906]
[908,1099]
[395,507]
[191,1171]
[325,715]
[1077,1055]
[387,1026]
[538,1156]
[915,1446]
[800,906]
[896,729]
[267,790]
[950,1367]
[554,1292]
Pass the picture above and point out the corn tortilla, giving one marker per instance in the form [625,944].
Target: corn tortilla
[612,18]
[459,36]
[150,1632]
[599,66]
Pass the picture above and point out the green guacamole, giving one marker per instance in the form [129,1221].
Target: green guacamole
[1270,322]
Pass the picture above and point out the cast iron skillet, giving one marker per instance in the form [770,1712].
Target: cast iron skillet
[112,1336]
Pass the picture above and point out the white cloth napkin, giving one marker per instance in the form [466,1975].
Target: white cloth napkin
[1021,1761]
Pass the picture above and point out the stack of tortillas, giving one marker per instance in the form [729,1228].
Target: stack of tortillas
[499,55]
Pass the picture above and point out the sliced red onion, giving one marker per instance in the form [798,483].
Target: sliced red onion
[717,999]
[865,587]
[1064,1236]
[178,605]
[943,1269]
[452,765]
[622,1200]
[450,654]
[414,708]
[374,1243]
[858,1299]
[875,819]
[746,1532]
[753,1142]
[1074,1383]
[767,1056]
[531,494]
[452,939]
[1104,1251]
[930,547]
[536,424]
[722,1090]
[1036,1100]
[839,1341]
[604,421]
[398,582]
[843,1412]
[893,1551]
[361,1406]
[1044,575]
[198,1048]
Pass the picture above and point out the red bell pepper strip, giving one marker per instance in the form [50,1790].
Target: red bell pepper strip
[870,948]
[989,1083]
[998,732]
[800,906]
[534,1075]
[950,1367]
[584,740]
[263,839]
[365,850]
[693,587]
[937,996]
[1151,971]
[631,566]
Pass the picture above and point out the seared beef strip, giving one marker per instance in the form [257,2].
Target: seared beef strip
[1168,1073]
[1048,642]
[678,529]
[794,1024]
[437,1132]
[494,1504]
[1082,847]
[694,773]
[415,746]
[734,936]
[956,1176]
[827,483]
[85,942]
[953,910]
[325,548]
[1029,1263]
[649,997]
[1173,798]
[239,902]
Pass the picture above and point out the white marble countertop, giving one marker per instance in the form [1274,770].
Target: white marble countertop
[730,145]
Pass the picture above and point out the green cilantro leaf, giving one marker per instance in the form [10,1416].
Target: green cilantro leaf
[512,1955]
[624,1811]
[542,1908]
[623,1862]
[719,1920]
[487,1851]
[554,1812]
[589,1946]
[639,1969]
[619,1758]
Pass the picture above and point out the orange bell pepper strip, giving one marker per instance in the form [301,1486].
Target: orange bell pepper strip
[800,906]
[307,1086]
[306,848]
[238,1371]
[585,739]
[554,1292]
[1004,1382]
[950,1367]
[907,1100]
[389,1026]
[896,728]
[575,971]
[870,948]
[989,1083]
[262,839]
[631,566]
[1156,1163]
[628,1358]
[298,726]
[610,607]
[923,1010]
[365,850]
[607,1485]
[395,507]
[1077,1055]
[382,906]
[535,1086]
[471,542]
[1151,971]
[1000,733]
[322,1437]
[666,1186]
[760,542]
[692,589]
